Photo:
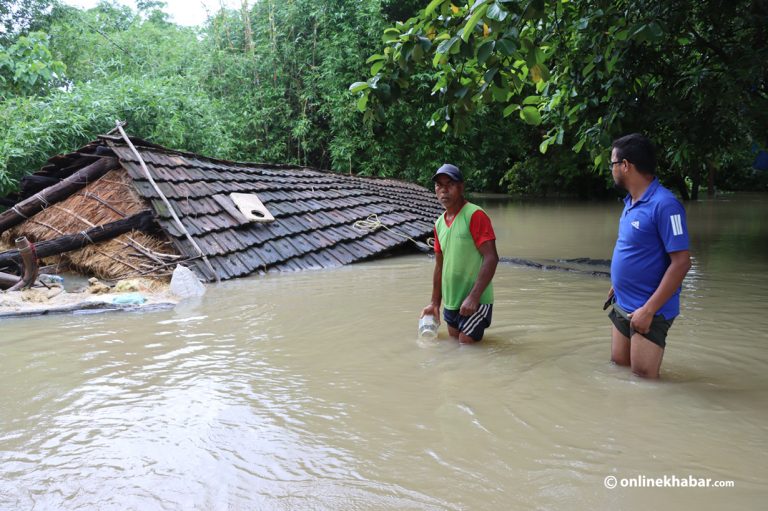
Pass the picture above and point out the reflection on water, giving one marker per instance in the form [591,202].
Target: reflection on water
[311,390]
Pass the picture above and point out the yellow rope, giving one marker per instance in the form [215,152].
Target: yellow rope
[372,223]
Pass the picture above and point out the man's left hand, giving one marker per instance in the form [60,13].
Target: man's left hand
[469,306]
[640,320]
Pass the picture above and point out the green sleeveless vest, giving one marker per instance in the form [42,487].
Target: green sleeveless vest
[461,259]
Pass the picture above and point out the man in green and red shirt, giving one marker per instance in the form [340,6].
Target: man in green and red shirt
[465,260]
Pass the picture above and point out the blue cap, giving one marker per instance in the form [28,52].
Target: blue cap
[451,171]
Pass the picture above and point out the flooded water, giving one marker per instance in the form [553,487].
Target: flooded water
[311,390]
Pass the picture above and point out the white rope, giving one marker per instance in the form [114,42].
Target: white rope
[85,235]
[22,215]
[42,199]
[372,223]
[119,125]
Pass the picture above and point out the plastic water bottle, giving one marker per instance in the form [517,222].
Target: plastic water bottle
[428,327]
[51,279]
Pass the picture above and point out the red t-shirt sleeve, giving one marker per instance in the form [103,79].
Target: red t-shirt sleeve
[438,250]
[480,227]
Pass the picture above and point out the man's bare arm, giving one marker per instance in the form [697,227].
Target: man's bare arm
[437,288]
[680,263]
[484,277]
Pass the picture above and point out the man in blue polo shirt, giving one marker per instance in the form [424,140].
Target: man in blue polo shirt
[649,262]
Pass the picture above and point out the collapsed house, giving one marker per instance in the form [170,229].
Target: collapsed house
[123,207]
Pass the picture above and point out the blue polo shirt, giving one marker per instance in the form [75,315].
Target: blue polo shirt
[649,230]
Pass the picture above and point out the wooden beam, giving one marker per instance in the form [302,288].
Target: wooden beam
[7,280]
[29,259]
[55,193]
[143,221]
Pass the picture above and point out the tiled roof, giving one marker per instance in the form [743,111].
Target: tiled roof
[314,211]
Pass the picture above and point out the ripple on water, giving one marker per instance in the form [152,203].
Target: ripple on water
[312,391]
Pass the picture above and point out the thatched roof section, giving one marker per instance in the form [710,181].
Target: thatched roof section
[315,211]
[110,198]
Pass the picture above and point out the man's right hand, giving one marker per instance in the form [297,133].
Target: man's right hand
[433,310]
[609,300]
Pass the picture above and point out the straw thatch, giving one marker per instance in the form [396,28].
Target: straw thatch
[106,200]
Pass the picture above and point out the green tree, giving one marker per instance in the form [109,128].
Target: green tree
[588,71]
[22,16]
[27,67]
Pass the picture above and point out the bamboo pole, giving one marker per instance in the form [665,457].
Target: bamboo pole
[169,207]
[140,221]
[55,193]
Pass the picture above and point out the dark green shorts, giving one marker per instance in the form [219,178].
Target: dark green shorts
[657,334]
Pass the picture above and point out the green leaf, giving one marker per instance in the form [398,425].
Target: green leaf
[495,12]
[417,53]
[535,9]
[374,58]
[362,103]
[434,4]
[439,85]
[424,43]
[530,115]
[532,100]
[376,67]
[534,56]
[571,113]
[510,108]
[490,74]
[506,46]
[485,51]
[358,86]
[473,21]
[500,94]
[516,82]
[390,34]
[652,32]
[445,46]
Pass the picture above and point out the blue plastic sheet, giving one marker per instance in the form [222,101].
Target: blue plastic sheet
[129,299]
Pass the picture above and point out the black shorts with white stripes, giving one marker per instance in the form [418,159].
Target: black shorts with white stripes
[473,326]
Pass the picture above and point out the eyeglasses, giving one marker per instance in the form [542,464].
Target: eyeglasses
[610,167]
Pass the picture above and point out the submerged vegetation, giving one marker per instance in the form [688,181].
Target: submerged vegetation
[524,95]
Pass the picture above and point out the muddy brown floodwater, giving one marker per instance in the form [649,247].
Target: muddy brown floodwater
[311,390]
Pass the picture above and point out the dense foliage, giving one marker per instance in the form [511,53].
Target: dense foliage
[690,73]
[269,82]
